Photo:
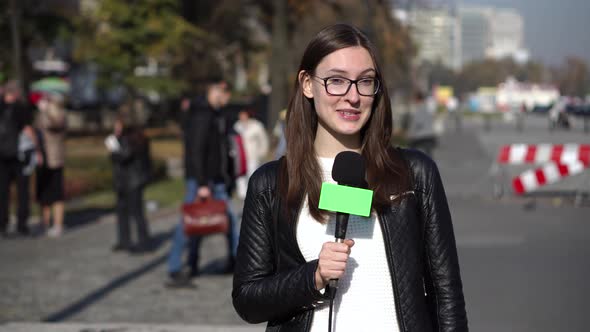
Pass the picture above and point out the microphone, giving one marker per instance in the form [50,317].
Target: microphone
[348,171]
[347,197]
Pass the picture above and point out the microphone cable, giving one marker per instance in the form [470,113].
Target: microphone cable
[332,294]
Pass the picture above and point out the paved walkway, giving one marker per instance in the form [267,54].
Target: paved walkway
[76,278]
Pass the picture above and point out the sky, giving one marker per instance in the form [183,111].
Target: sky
[553,29]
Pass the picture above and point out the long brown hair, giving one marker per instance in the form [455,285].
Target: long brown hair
[387,174]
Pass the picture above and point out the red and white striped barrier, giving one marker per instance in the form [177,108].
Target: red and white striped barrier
[560,160]
[541,153]
[552,172]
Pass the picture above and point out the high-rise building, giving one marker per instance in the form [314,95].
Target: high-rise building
[507,35]
[455,37]
[436,32]
[488,32]
[476,32]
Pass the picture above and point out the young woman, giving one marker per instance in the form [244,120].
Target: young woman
[51,122]
[130,155]
[255,142]
[398,270]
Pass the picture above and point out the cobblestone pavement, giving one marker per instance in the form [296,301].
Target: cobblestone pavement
[76,278]
[521,260]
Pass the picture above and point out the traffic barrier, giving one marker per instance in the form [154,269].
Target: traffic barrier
[541,153]
[551,172]
[557,162]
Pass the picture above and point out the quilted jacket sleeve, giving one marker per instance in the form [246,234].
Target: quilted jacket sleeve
[442,277]
[259,293]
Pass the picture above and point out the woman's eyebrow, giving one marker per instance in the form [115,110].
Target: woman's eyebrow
[341,71]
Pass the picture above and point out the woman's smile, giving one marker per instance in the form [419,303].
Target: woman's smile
[349,115]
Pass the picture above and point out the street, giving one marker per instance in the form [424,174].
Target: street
[523,259]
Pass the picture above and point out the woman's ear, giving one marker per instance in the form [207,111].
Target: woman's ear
[305,82]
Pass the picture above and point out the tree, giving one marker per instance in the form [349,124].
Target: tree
[306,17]
[491,72]
[121,38]
[279,65]
[573,77]
[24,26]
[438,74]
[532,71]
[233,43]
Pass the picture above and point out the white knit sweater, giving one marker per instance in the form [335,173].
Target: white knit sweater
[364,301]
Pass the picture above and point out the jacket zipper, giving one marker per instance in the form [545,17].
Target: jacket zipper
[389,255]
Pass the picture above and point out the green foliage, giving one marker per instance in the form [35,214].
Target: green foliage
[305,18]
[87,173]
[39,26]
[120,37]
[167,192]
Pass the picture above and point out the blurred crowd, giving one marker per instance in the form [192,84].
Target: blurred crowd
[220,154]
[32,143]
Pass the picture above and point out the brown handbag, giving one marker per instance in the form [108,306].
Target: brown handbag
[202,217]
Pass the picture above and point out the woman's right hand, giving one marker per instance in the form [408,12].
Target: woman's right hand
[332,262]
[204,192]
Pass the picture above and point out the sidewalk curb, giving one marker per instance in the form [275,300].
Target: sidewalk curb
[124,327]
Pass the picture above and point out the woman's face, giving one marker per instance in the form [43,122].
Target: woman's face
[347,114]
[243,116]
[118,127]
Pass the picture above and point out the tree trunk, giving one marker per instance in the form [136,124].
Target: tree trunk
[279,62]
[16,43]
[369,16]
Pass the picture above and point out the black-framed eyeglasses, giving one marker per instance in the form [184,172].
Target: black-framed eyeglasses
[339,86]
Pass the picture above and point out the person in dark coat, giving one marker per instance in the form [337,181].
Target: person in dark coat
[15,124]
[207,171]
[130,155]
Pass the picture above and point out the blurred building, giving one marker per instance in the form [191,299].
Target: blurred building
[488,32]
[476,32]
[507,35]
[437,33]
[454,37]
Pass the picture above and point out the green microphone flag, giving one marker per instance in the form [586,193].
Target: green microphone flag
[352,200]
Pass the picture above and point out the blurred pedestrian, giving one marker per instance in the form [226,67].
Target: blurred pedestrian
[520,111]
[255,141]
[51,122]
[453,108]
[130,154]
[558,117]
[15,128]
[207,174]
[421,134]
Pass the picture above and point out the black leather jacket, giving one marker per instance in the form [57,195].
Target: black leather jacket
[206,146]
[131,164]
[420,249]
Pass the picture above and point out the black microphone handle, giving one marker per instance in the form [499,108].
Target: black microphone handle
[340,234]
[341,226]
